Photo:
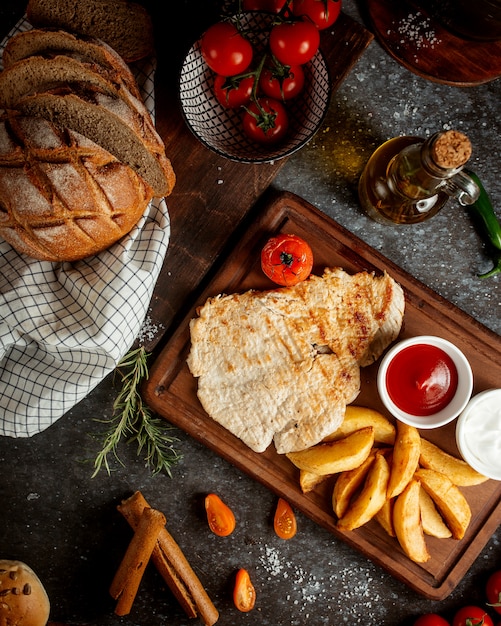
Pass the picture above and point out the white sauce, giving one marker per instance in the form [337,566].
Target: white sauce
[478,433]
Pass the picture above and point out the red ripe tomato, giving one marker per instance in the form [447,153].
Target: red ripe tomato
[472,616]
[225,50]
[431,619]
[233,92]
[287,259]
[284,521]
[323,13]
[265,121]
[493,591]
[294,43]
[220,517]
[244,593]
[282,82]
[268,6]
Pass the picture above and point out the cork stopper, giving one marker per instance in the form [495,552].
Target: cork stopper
[451,149]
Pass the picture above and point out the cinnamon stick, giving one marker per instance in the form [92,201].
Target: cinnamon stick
[128,576]
[173,566]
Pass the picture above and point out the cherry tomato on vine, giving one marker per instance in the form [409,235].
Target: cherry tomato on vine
[244,593]
[493,591]
[233,92]
[323,13]
[268,6]
[282,82]
[294,43]
[284,521]
[286,259]
[265,121]
[472,616]
[220,517]
[431,619]
[225,50]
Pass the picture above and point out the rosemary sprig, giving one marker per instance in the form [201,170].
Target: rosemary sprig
[132,420]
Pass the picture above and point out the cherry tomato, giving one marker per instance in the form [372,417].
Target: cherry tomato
[225,50]
[233,92]
[431,619]
[244,593]
[294,43]
[265,121]
[323,13]
[268,6]
[282,82]
[287,259]
[472,616]
[493,590]
[284,522]
[219,516]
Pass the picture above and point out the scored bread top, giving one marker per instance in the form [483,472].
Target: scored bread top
[125,26]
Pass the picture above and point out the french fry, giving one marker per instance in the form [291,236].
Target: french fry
[347,484]
[459,472]
[449,500]
[433,523]
[335,456]
[357,417]
[405,458]
[371,498]
[385,517]
[407,523]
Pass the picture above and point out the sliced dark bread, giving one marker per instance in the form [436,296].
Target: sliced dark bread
[48,43]
[125,26]
[112,124]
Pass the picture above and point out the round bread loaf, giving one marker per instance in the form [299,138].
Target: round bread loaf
[23,599]
[63,197]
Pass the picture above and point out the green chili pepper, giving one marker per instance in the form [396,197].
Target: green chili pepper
[484,212]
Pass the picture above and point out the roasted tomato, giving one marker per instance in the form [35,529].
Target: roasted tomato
[284,522]
[244,594]
[472,616]
[225,50]
[493,591]
[287,259]
[219,516]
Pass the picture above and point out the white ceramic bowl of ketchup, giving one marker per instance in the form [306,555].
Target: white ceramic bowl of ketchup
[425,381]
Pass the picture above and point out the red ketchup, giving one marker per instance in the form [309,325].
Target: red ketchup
[421,379]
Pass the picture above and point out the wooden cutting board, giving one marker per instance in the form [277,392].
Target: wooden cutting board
[213,195]
[171,390]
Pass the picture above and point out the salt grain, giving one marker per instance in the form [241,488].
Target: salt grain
[417,30]
[148,330]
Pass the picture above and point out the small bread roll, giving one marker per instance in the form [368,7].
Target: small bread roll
[23,599]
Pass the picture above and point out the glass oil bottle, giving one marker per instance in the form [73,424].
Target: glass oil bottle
[408,179]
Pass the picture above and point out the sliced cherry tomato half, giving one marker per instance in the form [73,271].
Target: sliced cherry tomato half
[472,616]
[233,92]
[431,619]
[244,593]
[284,522]
[493,591]
[323,13]
[265,121]
[282,82]
[294,43]
[225,50]
[287,259]
[219,516]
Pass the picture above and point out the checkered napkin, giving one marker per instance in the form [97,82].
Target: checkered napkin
[65,326]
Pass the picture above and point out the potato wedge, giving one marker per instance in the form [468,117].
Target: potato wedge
[384,517]
[309,480]
[459,472]
[347,484]
[335,456]
[433,523]
[407,523]
[371,498]
[451,503]
[405,458]
[357,417]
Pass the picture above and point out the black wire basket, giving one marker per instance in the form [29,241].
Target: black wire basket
[220,129]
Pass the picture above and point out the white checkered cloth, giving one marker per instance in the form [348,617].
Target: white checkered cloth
[65,326]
